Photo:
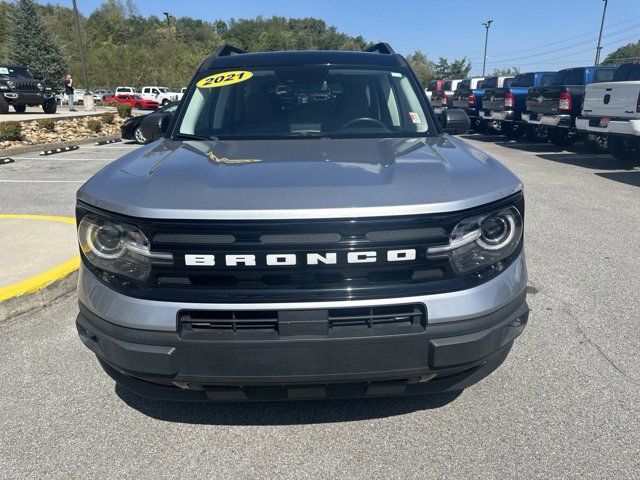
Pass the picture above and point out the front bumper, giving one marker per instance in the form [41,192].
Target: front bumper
[502,116]
[444,357]
[27,98]
[629,128]
[454,349]
[547,120]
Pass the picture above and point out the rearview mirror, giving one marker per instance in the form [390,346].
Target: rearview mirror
[455,121]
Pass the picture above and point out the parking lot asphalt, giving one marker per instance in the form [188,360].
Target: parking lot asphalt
[566,403]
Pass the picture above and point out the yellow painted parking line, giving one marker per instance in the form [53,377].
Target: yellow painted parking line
[37,282]
[53,218]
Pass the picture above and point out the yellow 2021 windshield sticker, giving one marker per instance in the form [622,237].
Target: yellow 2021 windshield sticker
[223,79]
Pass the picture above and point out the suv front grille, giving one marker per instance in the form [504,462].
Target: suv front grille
[26,87]
[304,281]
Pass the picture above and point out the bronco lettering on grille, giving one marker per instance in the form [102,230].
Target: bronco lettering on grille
[290,259]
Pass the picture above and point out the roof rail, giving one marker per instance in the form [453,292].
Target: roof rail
[380,48]
[221,51]
[227,50]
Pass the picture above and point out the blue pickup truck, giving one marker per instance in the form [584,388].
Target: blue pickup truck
[469,96]
[558,104]
[504,106]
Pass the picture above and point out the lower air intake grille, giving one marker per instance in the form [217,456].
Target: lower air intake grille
[387,319]
[202,324]
[273,324]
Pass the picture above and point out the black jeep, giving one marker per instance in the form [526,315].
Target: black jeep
[18,88]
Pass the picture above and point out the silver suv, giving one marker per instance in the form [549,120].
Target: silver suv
[305,229]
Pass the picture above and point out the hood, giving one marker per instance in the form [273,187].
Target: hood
[299,178]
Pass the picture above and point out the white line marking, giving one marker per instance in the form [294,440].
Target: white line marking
[40,159]
[42,181]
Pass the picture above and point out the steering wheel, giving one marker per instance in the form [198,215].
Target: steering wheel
[364,119]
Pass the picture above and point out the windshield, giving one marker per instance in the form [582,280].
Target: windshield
[524,80]
[491,82]
[630,72]
[573,76]
[303,101]
[16,72]
[163,89]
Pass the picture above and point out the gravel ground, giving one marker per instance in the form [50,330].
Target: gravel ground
[565,404]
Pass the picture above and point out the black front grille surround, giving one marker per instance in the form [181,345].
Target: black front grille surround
[301,283]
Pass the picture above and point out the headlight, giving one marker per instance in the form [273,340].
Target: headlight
[11,84]
[4,86]
[117,247]
[482,240]
[39,85]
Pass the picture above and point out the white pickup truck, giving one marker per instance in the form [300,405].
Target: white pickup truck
[162,95]
[613,109]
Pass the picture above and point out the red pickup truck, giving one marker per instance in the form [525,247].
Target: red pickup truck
[135,101]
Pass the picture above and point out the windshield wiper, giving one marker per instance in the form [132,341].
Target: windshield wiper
[190,136]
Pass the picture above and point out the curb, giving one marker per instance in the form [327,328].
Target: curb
[35,301]
[43,287]
[59,150]
[63,116]
[52,146]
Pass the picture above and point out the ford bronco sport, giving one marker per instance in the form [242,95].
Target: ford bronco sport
[305,229]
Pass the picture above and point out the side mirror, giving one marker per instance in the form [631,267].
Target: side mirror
[165,120]
[455,121]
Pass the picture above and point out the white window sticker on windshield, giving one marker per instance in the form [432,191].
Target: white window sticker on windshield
[396,74]
[4,71]
[415,118]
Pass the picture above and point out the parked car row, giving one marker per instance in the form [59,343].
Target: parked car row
[162,95]
[136,101]
[147,128]
[600,105]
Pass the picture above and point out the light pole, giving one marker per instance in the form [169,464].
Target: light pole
[87,99]
[487,25]
[599,47]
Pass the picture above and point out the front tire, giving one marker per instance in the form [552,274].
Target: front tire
[562,137]
[138,106]
[139,136]
[20,108]
[165,102]
[626,149]
[50,106]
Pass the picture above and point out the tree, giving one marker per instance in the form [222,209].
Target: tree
[33,45]
[626,53]
[459,68]
[454,69]
[422,66]
[506,72]
[5,9]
